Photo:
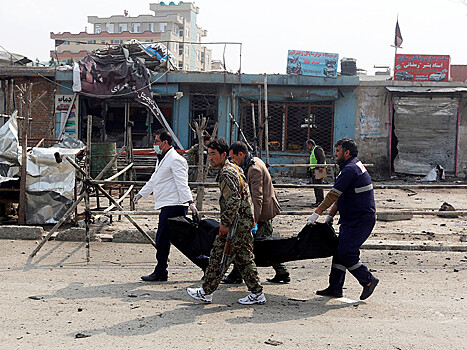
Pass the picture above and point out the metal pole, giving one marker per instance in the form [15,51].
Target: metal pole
[75,204]
[266,118]
[70,107]
[292,212]
[253,121]
[260,122]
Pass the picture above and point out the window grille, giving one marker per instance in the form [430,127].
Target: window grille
[291,124]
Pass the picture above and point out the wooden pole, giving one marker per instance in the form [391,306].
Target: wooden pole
[99,187]
[131,174]
[87,212]
[12,96]
[58,224]
[200,175]
[25,103]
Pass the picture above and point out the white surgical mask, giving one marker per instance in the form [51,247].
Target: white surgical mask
[157,149]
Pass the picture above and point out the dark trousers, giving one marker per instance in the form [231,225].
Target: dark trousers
[163,238]
[319,193]
[351,237]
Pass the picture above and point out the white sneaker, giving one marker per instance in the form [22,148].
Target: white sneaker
[198,293]
[253,299]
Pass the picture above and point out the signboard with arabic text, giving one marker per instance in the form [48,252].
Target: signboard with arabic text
[70,124]
[422,67]
[319,64]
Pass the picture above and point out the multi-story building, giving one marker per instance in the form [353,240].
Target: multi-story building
[173,25]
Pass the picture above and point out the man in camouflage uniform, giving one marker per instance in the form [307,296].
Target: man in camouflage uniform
[235,202]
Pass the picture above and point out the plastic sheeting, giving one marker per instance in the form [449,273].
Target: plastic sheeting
[9,163]
[49,185]
[426,134]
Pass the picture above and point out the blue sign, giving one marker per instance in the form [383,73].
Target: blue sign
[318,64]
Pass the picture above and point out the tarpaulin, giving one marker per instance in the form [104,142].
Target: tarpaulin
[9,162]
[110,76]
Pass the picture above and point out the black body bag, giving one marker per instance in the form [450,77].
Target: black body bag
[195,239]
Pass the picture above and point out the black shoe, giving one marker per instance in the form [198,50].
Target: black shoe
[368,290]
[154,277]
[315,204]
[232,280]
[328,292]
[279,279]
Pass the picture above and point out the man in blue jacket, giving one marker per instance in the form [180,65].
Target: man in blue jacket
[353,196]
[172,195]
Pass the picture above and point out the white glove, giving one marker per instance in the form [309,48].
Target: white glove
[137,198]
[312,219]
[329,218]
[193,209]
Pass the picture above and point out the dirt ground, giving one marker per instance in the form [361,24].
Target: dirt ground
[57,300]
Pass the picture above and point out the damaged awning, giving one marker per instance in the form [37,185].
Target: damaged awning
[118,76]
[426,90]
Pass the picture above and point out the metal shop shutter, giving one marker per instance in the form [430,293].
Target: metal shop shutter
[426,134]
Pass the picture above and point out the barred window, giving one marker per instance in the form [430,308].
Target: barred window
[290,124]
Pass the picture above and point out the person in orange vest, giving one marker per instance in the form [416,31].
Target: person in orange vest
[316,173]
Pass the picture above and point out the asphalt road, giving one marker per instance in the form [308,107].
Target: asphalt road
[57,301]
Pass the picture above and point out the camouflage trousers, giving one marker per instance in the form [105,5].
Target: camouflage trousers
[242,256]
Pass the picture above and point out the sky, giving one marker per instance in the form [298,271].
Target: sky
[359,29]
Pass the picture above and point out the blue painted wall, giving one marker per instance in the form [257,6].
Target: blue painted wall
[345,109]
[181,116]
[223,110]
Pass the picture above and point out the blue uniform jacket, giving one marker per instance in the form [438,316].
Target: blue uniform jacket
[356,201]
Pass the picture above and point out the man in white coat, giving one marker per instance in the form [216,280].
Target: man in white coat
[172,195]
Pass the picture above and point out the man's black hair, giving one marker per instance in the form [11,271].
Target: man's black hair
[220,145]
[348,145]
[238,146]
[164,135]
[206,138]
[311,142]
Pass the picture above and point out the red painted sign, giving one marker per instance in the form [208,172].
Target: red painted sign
[422,67]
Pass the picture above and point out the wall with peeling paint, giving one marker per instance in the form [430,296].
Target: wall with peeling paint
[373,127]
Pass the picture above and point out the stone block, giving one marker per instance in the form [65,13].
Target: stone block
[21,232]
[394,216]
[75,235]
[132,236]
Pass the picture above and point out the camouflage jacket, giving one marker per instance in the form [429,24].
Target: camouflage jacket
[235,197]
